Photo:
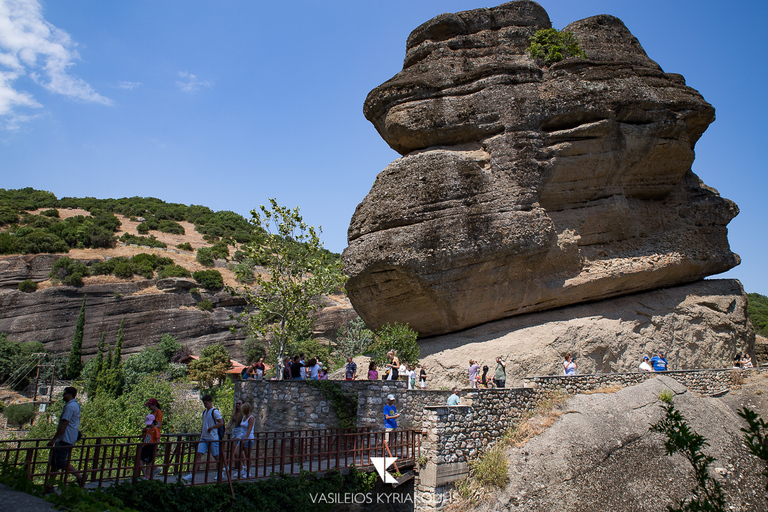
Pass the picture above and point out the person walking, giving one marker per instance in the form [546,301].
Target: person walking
[209,437]
[67,434]
[390,417]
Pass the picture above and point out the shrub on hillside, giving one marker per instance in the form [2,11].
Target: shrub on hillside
[205,305]
[142,228]
[173,271]
[220,250]
[141,240]
[205,256]
[20,414]
[27,286]
[186,246]
[757,310]
[53,212]
[123,270]
[172,227]
[69,271]
[209,279]
[39,241]
[9,244]
[8,215]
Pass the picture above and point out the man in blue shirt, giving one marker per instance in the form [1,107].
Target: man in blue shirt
[66,435]
[390,417]
[659,363]
[454,398]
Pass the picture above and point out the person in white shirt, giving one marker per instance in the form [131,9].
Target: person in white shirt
[645,366]
[209,437]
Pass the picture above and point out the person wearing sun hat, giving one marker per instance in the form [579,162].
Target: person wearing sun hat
[645,365]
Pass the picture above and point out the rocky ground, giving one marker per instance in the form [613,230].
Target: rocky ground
[599,455]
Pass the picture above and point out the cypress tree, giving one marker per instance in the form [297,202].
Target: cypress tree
[93,377]
[75,361]
[118,347]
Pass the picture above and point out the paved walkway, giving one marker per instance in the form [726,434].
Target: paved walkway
[17,501]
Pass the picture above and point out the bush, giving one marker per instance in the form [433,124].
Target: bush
[53,212]
[205,305]
[142,228]
[172,227]
[244,272]
[186,246]
[220,250]
[173,271]
[205,256]
[399,337]
[69,271]
[27,286]
[209,279]
[127,238]
[123,270]
[253,349]
[20,414]
[553,46]
[757,310]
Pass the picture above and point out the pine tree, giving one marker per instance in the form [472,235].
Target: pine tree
[93,377]
[75,361]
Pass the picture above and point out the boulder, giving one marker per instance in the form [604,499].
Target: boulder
[525,187]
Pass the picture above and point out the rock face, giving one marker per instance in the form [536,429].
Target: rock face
[698,325]
[148,308]
[524,187]
[601,456]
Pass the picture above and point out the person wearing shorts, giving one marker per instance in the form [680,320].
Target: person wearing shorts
[66,435]
[209,437]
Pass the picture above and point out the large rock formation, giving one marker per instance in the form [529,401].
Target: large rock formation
[697,325]
[525,187]
[148,308]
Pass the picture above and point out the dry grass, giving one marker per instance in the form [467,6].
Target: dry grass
[536,421]
[605,389]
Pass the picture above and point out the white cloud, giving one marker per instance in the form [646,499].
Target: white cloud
[190,83]
[31,46]
[129,85]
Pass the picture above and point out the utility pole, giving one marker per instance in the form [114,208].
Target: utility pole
[40,357]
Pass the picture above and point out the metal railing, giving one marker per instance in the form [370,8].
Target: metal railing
[105,461]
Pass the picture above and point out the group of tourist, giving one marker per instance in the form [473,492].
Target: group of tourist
[742,362]
[482,380]
[300,368]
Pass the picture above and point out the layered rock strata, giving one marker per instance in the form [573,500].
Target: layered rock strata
[525,187]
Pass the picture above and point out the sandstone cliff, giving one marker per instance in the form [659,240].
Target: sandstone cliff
[526,187]
[148,308]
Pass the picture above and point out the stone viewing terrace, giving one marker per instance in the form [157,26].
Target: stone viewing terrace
[452,436]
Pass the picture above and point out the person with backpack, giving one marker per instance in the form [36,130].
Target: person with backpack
[213,431]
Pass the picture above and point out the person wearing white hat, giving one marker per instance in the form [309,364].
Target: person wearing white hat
[645,365]
[390,416]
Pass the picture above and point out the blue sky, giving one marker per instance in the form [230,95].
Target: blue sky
[228,103]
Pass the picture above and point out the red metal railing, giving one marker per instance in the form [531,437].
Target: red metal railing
[105,461]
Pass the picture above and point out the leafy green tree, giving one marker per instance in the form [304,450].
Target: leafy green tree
[75,361]
[211,367]
[118,354]
[69,271]
[298,275]
[169,346]
[398,337]
[205,256]
[553,45]
[92,368]
[253,349]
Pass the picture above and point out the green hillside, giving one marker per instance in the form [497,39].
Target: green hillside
[757,310]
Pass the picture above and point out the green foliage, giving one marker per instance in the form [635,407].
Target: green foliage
[756,437]
[298,275]
[757,311]
[398,337]
[553,46]
[313,348]
[186,246]
[150,241]
[209,279]
[666,396]
[17,364]
[204,305]
[212,366]
[20,414]
[253,349]
[244,271]
[205,256]
[8,215]
[69,271]
[708,495]
[52,212]
[220,250]
[343,404]
[75,361]
[27,286]
[38,241]
[353,338]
